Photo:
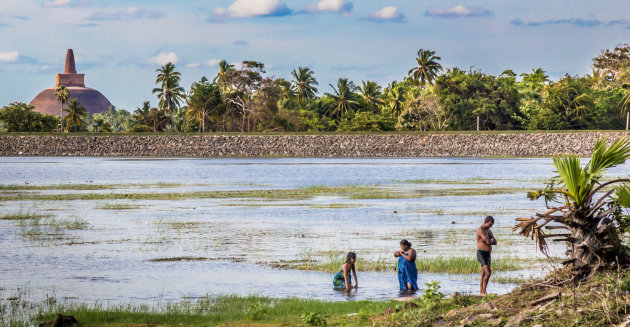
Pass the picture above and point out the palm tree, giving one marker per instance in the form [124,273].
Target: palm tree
[591,226]
[396,100]
[344,100]
[76,112]
[304,82]
[141,115]
[371,94]
[62,94]
[102,125]
[169,92]
[427,69]
[624,103]
[224,67]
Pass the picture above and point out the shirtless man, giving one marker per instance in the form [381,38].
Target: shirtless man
[485,241]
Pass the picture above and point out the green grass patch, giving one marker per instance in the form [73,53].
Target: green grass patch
[118,206]
[465,265]
[212,311]
[349,191]
[88,187]
[175,259]
[23,215]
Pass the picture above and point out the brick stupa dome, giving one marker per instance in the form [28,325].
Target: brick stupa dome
[91,99]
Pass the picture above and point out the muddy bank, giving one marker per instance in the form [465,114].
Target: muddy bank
[377,146]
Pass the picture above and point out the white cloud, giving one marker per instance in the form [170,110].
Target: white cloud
[458,11]
[387,14]
[164,58]
[126,14]
[11,56]
[253,8]
[212,62]
[337,6]
[209,63]
[56,3]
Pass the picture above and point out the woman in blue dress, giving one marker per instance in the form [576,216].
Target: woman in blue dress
[407,271]
[343,280]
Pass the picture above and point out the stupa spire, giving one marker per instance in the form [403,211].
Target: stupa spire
[70,68]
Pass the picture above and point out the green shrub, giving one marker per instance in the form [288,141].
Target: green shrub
[314,319]
[256,311]
[140,129]
[432,292]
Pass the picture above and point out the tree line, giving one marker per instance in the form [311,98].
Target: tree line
[243,98]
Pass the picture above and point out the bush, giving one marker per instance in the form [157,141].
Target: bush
[20,117]
[141,129]
[256,311]
[314,319]
[367,122]
[432,293]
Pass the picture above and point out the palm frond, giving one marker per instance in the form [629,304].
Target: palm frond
[623,195]
[604,158]
[571,174]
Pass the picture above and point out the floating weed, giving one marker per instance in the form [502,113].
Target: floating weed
[474,180]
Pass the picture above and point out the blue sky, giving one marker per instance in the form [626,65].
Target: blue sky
[119,44]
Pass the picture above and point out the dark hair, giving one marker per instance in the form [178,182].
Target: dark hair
[351,255]
[489,219]
[405,243]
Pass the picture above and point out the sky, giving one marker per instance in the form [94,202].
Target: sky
[119,44]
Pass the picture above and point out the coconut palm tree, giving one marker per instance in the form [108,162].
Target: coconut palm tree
[396,100]
[591,222]
[304,82]
[224,67]
[344,100]
[76,113]
[624,103]
[371,94]
[62,94]
[169,93]
[427,69]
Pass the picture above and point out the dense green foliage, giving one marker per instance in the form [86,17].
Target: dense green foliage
[19,117]
[243,98]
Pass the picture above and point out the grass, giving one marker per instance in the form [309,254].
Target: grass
[242,311]
[473,180]
[50,229]
[176,259]
[23,215]
[349,191]
[464,265]
[332,262]
[87,187]
[118,206]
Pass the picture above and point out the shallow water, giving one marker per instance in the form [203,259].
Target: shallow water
[239,239]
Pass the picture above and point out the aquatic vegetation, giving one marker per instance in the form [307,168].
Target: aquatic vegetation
[350,192]
[48,230]
[465,265]
[118,206]
[178,259]
[20,215]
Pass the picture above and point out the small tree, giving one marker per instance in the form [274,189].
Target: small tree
[20,117]
[592,223]
[63,95]
[76,113]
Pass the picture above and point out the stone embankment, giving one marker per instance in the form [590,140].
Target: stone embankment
[353,145]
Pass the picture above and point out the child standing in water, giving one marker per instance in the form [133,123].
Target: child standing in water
[407,270]
[343,280]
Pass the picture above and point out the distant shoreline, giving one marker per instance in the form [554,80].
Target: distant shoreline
[360,145]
